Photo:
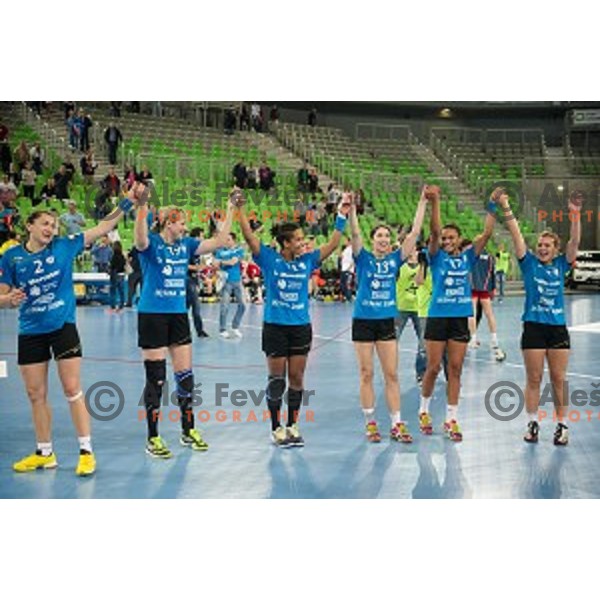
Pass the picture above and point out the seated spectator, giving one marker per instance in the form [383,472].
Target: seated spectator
[303,176]
[112,184]
[21,155]
[145,175]
[240,175]
[266,177]
[252,178]
[130,176]
[11,241]
[28,176]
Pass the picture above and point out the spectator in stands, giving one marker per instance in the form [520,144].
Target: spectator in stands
[21,156]
[69,109]
[240,175]
[303,176]
[115,109]
[145,175]
[333,198]
[72,221]
[130,176]
[112,184]
[85,124]
[502,270]
[28,176]
[5,156]
[48,192]
[313,182]
[11,241]
[323,218]
[312,117]
[230,121]
[70,168]
[252,178]
[274,116]
[61,181]
[101,254]
[266,177]
[257,118]
[73,130]
[244,118]
[3,132]
[135,276]
[88,167]
[37,156]
[360,202]
[112,137]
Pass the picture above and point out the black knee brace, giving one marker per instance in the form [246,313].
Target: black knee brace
[276,389]
[156,374]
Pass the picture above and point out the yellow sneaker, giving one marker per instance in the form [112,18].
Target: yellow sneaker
[34,462]
[86,466]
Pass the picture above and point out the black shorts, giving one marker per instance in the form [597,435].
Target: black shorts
[163,330]
[455,329]
[373,330]
[63,344]
[537,336]
[283,341]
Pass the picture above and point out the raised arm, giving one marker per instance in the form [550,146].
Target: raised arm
[513,227]
[357,242]
[490,221]
[410,241]
[575,203]
[140,228]
[213,244]
[340,225]
[433,194]
[251,239]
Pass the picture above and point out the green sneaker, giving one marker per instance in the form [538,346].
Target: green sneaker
[194,441]
[156,448]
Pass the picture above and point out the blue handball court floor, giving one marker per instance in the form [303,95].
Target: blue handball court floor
[337,463]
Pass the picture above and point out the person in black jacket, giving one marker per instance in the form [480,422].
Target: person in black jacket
[135,277]
[112,137]
[116,271]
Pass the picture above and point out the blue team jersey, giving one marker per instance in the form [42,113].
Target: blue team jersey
[164,271]
[376,291]
[234,273]
[47,279]
[544,289]
[286,285]
[452,294]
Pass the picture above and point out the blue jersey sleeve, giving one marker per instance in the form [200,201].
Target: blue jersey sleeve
[361,259]
[397,256]
[192,246]
[150,251]
[527,262]
[472,257]
[563,264]
[219,254]
[315,260]
[264,259]
[7,275]
[74,244]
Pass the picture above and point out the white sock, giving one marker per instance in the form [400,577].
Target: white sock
[495,343]
[425,402]
[369,415]
[85,444]
[532,417]
[452,414]
[396,418]
[45,449]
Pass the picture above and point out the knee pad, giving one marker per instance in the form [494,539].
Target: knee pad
[156,373]
[75,398]
[276,388]
[185,386]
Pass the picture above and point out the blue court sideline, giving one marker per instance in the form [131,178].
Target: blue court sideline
[493,462]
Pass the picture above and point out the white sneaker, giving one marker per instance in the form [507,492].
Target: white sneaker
[225,335]
[474,345]
[236,333]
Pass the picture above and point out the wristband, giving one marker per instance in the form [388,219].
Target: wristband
[492,208]
[126,205]
[340,223]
